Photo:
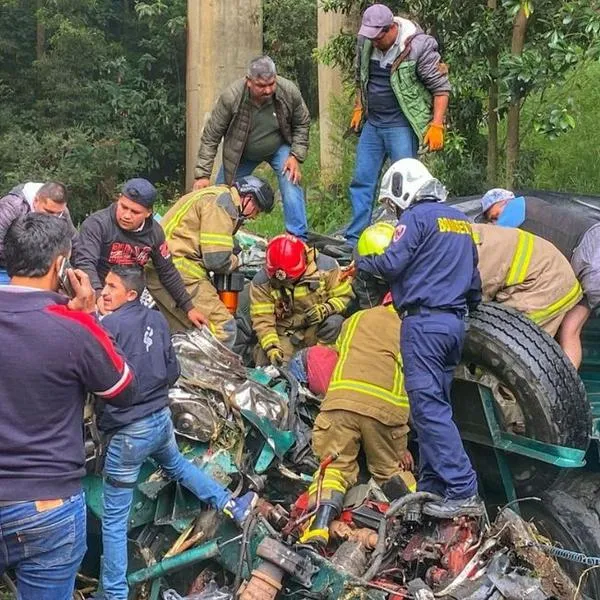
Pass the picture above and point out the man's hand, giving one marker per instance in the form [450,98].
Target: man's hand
[201,183]
[84,298]
[434,137]
[275,356]
[318,313]
[407,462]
[356,119]
[291,168]
[197,318]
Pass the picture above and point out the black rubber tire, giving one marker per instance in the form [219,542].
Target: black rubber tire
[569,515]
[547,387]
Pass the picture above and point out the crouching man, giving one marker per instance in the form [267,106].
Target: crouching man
[145,429]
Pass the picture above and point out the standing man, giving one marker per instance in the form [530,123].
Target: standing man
[125,233]
[199,229]
[48,198]
[261,118]
[575,235]
[144,429]
[55,353]
[401,101]
[431,265]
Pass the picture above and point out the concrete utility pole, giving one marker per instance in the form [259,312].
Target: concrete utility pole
[223,36]
[330,87]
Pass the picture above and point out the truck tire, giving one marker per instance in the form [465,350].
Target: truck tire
[569,515]
[545,384]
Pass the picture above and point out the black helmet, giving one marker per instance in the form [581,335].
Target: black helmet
[260,189]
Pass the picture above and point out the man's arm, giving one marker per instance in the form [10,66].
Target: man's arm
[87,250]
[10,210]
[474,293]
[167,272]
[300,126]
[391,264]
[430,69]
[214,130]
[262,313]
[216,235]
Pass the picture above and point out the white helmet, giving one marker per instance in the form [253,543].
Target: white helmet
[408,181]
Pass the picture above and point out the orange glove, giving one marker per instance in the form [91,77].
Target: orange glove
[356,117]
[434,137]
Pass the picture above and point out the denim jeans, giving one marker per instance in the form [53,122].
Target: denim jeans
[374,146]
[153,436]
[292,195]
[44,548]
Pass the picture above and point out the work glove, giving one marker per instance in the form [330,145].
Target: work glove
[357,114]
[330,329]
[318,313]
[434,137]
[275,355]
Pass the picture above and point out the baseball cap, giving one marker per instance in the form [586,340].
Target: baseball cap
[374,19]
[493,196]
[139,190]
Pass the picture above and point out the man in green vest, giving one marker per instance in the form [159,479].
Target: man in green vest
[401,102]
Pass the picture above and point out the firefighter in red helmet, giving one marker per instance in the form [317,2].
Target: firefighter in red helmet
[296,300]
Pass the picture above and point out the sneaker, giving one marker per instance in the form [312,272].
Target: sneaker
[449,508]
[239,509]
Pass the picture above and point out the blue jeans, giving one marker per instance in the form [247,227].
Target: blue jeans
[153,436]
[431,347]
[44,548]
[374,146]
[292,195]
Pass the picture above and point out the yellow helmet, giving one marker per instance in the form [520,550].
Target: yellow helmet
[375,239]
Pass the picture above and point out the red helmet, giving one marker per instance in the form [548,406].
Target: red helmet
[286,257]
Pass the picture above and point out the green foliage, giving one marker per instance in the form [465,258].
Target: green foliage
[290,34]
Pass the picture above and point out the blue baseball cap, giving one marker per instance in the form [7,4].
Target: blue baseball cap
[494,196]
[139,190]
[374,20]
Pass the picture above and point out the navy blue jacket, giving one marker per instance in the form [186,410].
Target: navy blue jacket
[432,260]
[51,358]
[145,339]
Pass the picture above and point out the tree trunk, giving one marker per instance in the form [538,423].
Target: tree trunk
[519,34]
[492,115]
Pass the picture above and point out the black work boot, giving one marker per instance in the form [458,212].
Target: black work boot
[317,533]
[449,508]
[395,487]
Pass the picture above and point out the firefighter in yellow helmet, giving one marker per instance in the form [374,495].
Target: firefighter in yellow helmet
[527,273]
[296,300]
[365,404]
[199,230]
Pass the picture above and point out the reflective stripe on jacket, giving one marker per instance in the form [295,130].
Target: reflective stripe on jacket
[368,377]
[525,272]
[199,231]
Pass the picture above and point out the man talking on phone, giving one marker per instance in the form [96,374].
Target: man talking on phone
[57,353]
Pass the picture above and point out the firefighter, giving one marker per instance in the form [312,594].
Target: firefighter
[199,230]
[365,405]
[431,265]
[526,272]
[296,300]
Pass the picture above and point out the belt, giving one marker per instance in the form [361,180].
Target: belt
[411,311]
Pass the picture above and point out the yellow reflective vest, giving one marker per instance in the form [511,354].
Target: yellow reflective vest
[368,377]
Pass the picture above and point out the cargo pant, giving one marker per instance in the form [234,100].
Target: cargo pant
[205,299]
[431,346]
[344,432]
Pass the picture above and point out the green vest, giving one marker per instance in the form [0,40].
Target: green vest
[414,99]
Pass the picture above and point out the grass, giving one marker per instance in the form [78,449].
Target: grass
[570,162]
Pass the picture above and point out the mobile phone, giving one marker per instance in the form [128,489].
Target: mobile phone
[63,278]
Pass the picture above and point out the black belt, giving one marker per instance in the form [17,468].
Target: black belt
[411,311]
